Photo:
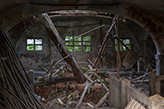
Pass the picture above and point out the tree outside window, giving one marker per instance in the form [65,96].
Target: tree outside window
[78,44]
[122,48]
[34,45]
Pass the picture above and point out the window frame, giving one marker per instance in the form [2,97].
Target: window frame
[34,45]
[121,46]
[82,41]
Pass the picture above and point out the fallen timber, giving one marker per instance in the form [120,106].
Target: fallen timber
[53,33]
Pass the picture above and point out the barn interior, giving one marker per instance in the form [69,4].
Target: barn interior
[68,54]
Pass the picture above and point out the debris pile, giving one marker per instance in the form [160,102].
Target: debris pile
[70,94]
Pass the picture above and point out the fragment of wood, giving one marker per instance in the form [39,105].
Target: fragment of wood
[144,76]
[104,86]
[101,73]
[135,55]
[54,81]
[140,77]
[45,69]
[140,81]
[51,68]
[84,69]
[92,70]
[129,60]
[92,64]
[60,101]
[98,79]
[118,50]
[83,94]
[90,105]
[101,50]
[53,33]
[31,78]
[88,78]
[90,67]
[57,71]
[102,100]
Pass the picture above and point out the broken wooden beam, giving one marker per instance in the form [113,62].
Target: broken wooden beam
[140,81]
[87,32]
[102,100]
[101,50]
[58,41]
[134,55]
[84,92]
[54,81]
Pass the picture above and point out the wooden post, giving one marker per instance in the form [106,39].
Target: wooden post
[53,33]
[118,50]
[101,50]
[138,66]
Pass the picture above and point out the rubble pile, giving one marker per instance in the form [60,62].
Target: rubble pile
[67,94]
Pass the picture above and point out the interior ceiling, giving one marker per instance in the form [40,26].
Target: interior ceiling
[24,8]
[149,14]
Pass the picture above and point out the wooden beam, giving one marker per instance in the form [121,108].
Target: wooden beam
[101,50]
[135,55]
[58,41]
[118,50]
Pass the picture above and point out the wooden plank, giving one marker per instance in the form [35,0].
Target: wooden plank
[135,55]
[129,60]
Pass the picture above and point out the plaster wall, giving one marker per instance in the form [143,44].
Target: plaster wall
[68,26]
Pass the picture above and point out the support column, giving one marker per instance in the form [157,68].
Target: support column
[159,64]
[157,57]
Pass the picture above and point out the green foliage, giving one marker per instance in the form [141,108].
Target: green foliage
[77,39]
[122,48]
[86,38]
[69,43]
[77,43]
[77,48]
[68,37]
[70,48]
[38,47]
[86,43]
[30,47]
[87,49]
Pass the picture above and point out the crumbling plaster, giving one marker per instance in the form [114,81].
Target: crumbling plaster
[76,25]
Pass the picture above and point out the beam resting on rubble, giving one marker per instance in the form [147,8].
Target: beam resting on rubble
[58,41]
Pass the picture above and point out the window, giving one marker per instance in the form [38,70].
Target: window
[34,45]
[78,44]
[122,48]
